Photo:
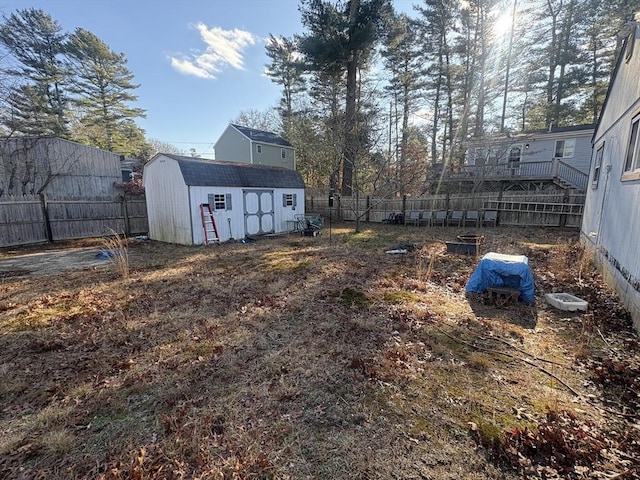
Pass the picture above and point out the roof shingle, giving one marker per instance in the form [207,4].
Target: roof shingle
[201,172]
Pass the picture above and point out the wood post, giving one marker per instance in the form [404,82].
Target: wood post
[45,215]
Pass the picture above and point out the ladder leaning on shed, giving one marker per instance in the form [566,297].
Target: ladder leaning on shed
[208,224]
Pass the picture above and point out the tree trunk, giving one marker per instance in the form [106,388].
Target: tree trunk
[350,144]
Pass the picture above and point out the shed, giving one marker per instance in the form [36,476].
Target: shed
[246,199]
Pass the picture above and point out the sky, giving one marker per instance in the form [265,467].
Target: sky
[199,63]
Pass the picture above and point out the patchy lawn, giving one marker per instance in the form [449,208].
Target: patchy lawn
[290,358]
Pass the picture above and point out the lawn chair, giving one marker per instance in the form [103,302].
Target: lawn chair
[440,217]
[426,217]
[490,217]
[472,216]
[456,218]
[413,217]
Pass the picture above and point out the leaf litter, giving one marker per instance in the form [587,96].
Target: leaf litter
[293,358]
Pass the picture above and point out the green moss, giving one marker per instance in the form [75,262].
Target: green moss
[395,297]
[353,298]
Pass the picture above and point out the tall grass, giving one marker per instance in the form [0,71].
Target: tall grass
[116,247]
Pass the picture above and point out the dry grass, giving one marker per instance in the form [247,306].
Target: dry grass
[291,359]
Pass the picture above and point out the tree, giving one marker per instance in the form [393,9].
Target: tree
[266,120]
[37,43]
[402,58]
[340,39]
[103,87]
[285,69]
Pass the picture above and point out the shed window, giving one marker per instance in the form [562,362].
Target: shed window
[597,166]
[632,159]
[220,201]
[258,148]
[289,200]
[565,148]
[283,153]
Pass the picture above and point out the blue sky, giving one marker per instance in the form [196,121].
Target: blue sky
[199,62]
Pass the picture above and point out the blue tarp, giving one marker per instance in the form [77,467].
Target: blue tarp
[503,271]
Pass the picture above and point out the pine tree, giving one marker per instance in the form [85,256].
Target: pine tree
[37,43]
[103,88]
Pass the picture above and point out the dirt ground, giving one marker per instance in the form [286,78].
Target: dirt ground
[294,358]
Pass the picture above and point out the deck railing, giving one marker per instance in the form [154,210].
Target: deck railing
[554,169]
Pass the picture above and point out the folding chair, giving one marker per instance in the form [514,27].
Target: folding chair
[472,216]
[440,217]
[456,218]
[426,217]
[413,217]
[490,217]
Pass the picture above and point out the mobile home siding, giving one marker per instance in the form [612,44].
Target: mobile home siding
[611,220]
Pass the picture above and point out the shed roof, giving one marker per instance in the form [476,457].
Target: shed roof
[261,136]
[201,172]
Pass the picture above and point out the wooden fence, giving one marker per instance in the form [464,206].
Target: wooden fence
[36,219]
[514,208]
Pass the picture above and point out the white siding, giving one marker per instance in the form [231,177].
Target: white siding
[167,201]
[231,223]
[611,221]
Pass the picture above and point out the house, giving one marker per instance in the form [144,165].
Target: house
[558,158]
[245,199]
[611,220]
[257,147]
[56,167]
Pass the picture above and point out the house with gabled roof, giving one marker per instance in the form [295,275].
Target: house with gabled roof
[257,147]
[611,220]
[244,200]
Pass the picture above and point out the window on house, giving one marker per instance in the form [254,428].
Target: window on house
[258,148]
[220,201]
[283,153]
[632,159]
[515,153]
[497,155]
[478,156]
[597,166]
[565,148]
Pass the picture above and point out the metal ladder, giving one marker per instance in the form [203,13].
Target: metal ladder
[208,224]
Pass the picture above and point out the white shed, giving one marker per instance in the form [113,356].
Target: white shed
[246,200]
[611,220]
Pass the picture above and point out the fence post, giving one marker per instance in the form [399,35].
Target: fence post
[565,211]
[125,215]
[45,215]
[404,206]
[366,218]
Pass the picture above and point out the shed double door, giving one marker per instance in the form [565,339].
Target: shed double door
[258,212]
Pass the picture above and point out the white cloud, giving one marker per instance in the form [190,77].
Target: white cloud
[224,48]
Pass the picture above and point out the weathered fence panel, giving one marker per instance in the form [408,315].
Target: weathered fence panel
[514,208]
[34,219]
[21,221]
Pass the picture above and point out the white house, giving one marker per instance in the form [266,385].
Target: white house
[611,221]
[246,200]
[257,147]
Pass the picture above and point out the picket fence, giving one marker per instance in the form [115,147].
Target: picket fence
[36,219]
